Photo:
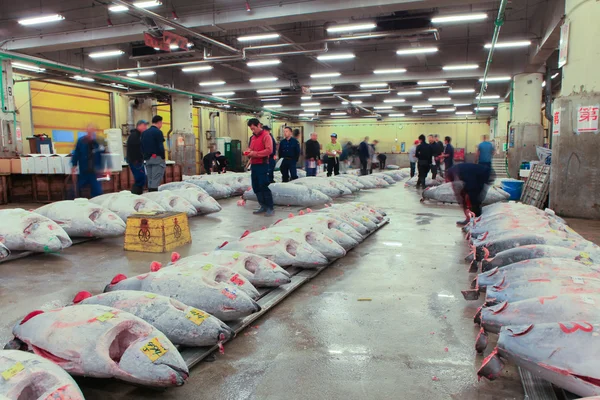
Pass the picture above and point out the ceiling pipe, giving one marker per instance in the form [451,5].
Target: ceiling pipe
[175,25]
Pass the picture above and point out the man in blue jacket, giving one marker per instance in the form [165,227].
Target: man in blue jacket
[289,152]
[88,156]
[153,150]
[363,155]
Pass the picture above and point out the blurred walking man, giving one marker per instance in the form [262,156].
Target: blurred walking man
[135,158]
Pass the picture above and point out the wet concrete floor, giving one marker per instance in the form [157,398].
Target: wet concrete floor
[413,337]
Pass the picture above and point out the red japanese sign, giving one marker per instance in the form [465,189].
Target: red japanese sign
[587,118]
[556,123]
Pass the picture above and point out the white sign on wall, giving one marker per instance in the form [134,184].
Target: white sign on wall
[563,48]
[556,123]
[587,118]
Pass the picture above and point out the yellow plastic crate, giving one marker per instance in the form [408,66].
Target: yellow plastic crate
[157,232]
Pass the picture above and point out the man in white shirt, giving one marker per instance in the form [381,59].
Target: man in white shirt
[412,158]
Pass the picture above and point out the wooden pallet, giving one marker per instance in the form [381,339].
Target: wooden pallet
[535,192]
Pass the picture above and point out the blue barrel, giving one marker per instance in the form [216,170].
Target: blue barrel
[513,187]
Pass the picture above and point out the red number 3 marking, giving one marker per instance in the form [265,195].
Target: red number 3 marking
[576,327]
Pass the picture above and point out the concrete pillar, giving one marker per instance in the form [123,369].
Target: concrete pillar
[502,127]
[575,180]
[526,130]
[182,114]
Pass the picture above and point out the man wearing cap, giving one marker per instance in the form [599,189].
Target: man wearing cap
[289,152]
[153,149]
[135,158]
[273,156]
[333,151]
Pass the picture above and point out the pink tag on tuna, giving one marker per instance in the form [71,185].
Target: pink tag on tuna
[229,293]
[236,280]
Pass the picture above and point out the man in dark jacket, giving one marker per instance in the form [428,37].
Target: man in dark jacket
[313,155]
[273,156]
[153,149]
[470,183]
[289,152]
[438,151]
[220,162]
[448,155]
[424,154]
[209,161]
[435,152]
[135,158]
[88,156]
[363,155]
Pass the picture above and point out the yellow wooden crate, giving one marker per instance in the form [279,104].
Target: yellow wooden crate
[157,232]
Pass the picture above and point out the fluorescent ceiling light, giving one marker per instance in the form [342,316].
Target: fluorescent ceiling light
[485,108]
[41,20]
[416,50]
[310,104]
[451,109]
[320,88]
[351,27]
[337,113]
[361,95]
[306,115]
[394,100]
[118,8]
[459,18]
[415,111]
[146,73]
[373,85]
[390,71]
[305,97]
[353,102]
[147,4]
[223,94]
[225,105]
[204,102]
[422,106]
[395,115]
[458,91]
[198,68]
[108,53]
[464,112]
[173,46]
[265,91]
[326,75]
[440,99]
[312,110]
[250,38]
[27,67]
[414,93]
[82,78]
[212,83]
[274,99]
[544,84]
[504,45]
[334,57]
[383,108]
[496,79]
[460,67]
[265,79]
[462,104]
[261,63]
[424,83]
[273,106]
[490,97]
[555,75]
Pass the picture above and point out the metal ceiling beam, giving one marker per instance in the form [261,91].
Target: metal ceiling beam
[276,14]
[546,21]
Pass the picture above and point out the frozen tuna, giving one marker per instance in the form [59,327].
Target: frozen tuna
[201,200]
[412,182]
[323,185]
[530,252]
[102,342]
[323,244]
[280,249]
[82,218]
[29,231]
[346,183]
[181,324]
[214,189]
[126,203]
[260,271]
[4,252]
[27,376]
[444,193]
[292,195]
[179,185]
[172,202]
[224,301]
[357,222]
[385,177]
[563,353]
[342,233]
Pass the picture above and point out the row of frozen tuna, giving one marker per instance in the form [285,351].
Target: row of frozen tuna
[132,330]
[446,193]
[320,190]
[542,284]
[51,227]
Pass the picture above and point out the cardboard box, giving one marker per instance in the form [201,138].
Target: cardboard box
[5,165]
[55,164]
[15,166]
[113,162]
[27,164]
[40,163]
[66,160]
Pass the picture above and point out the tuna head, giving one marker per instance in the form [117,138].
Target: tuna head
[42,234]
[106,223]
[323,244]
[4,252]
[263,272]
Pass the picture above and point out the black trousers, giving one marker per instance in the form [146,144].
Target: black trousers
[413,166]
[333,165]
[363,166]
[423,171]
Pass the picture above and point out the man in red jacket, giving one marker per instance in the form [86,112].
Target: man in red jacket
[261,147]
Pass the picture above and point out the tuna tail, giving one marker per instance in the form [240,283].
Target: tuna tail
[291,215]
[472,294]
[16,344]
[175,256]
[308,210]
[481,342]
[474,284]
[474,267]
[118,278]
[155,266]
[491,367]
[301,212]
[225,243]
[486,265]
[246,233]
[477,316]
[486,254]
[79,297]
[276,222]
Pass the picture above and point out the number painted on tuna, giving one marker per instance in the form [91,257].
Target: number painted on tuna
[576,327]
